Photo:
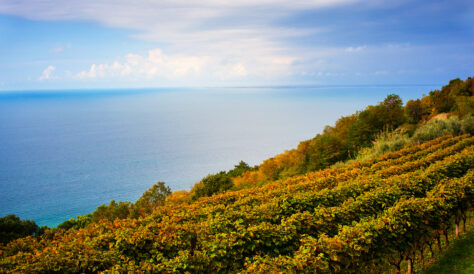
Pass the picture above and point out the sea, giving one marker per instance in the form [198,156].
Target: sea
[65,152]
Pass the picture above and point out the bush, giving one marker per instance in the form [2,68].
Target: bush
[150,199]
[467,124]
[385,142]
[437,128]
[211,184]
[11,228]
[155,195]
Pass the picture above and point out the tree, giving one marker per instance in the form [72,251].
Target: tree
[212,184]
[11,228]
[413,111]
[442,99]
[326,150]
[393,107]
[154,196]
[240,168]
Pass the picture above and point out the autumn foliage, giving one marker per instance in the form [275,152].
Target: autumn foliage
[372,213]
[297,211]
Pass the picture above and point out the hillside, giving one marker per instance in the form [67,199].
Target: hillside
[374,193]
[377,129]
[367,214]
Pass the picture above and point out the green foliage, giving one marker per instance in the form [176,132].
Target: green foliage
[335,144]
[12,227]
[238,169]
[212,184]
[459,258]
[154,196]
[364,215]
[438,128]
[385,142]
[113,211]
[150,199]
[325,150]
[442,101]
[393,107]
[413,111]
[80,222]
[355,134]
[456,96]
[387,115]
[218,183]
[467,124]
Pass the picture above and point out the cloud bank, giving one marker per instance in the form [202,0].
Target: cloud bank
[213,39]
[261,41]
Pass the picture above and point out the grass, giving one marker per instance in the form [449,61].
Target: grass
[458,258]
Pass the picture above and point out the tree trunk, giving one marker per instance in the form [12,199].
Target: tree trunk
[398,270]
[431,248]
[422,257]
[457,230]
[446,237]
[410,265]
[438,238]
[464,218]
[397,263]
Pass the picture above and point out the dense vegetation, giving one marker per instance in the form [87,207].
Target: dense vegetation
[152,198]
[351,134]
[365,215]
[11,228]
[459,258]
[409,178]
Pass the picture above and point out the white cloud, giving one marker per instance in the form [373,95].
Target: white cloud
[355,49]
[157,65]
[261,61]
[47,73]
[381,72]
[140,13]
[60,48]
[177,22]
[212,39]
[208,41]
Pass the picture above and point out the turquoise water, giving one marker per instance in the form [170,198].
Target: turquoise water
[63,153]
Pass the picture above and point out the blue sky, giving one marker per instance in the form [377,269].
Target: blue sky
[120,44]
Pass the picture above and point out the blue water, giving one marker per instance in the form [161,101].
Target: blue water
[63,153]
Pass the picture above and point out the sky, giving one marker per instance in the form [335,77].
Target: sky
[65,44]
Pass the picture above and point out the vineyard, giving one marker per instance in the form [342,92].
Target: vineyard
[370,216]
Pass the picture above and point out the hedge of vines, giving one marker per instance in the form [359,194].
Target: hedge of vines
[375,213]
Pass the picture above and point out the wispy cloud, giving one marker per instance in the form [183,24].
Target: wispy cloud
[174,21]
[61,48]
[355,49]
[213,39]
[47,73]
[254,41]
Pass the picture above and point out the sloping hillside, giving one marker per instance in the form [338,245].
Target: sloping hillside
[367,215]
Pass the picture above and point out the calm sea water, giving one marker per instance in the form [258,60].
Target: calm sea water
[63,153]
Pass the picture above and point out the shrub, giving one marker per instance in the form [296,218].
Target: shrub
[385,142]
[153,197]
[437,128]
[11,228]
[211,184]
[467,124]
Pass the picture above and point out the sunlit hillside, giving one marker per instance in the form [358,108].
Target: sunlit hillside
[402,196]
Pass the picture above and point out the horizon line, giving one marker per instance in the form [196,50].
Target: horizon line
[214,87]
